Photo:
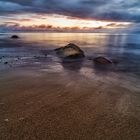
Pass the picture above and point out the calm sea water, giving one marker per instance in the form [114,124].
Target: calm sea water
[123,48]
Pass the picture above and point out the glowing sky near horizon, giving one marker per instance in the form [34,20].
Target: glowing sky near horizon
[61,21]
[64,21]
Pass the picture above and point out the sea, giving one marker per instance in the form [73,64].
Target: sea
[124,49]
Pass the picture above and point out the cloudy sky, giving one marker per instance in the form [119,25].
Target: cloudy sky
[69,15]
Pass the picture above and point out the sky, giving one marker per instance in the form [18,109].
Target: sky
[70,15]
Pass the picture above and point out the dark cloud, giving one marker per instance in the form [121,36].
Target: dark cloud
[116,10]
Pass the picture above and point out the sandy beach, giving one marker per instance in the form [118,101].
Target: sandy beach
[44,98]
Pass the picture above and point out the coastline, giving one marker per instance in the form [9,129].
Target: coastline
[49,105]
[43,98]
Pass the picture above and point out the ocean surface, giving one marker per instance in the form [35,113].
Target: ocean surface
[124,49]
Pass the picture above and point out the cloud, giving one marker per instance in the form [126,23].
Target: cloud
[16,27]
[10,7]
[116,10]
[107,10]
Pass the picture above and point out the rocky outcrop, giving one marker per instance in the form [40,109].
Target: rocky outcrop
[70,51]
[14,36]
[102,60]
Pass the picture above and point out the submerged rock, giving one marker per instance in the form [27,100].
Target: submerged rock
[102,60]
[14,36]
[70,51]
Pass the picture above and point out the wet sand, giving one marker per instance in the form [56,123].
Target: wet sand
[43,98]
[56,106]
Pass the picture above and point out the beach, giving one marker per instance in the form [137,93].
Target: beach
[43,97]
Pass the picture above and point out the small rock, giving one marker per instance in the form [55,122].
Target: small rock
[102,60]
[6,120]
[14,36]
[21,118]
[5,62]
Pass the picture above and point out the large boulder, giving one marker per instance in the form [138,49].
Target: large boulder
[14,36]
[102,60]
[70,51]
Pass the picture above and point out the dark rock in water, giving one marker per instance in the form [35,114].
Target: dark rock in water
[70,51]
[5,62]
[14,36]
[102,60]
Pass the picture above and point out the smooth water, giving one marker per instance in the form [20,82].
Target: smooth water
[122,48]
[74,98]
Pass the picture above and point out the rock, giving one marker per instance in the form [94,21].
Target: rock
[70,51]
[102,60]
[5,62]
[2,57]
[6,120]
[14,36]
[21,118]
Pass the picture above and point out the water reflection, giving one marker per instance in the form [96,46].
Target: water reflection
[123,48]
[73,65]
[61,39]
[102,69]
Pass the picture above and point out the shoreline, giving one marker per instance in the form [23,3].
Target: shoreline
[52,105]
[41,97]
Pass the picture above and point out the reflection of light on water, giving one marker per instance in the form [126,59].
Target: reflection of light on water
[123,39]
[53,68]
[117,47]
[119,41]
[61,39]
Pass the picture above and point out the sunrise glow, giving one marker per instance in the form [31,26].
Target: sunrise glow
[62,22]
